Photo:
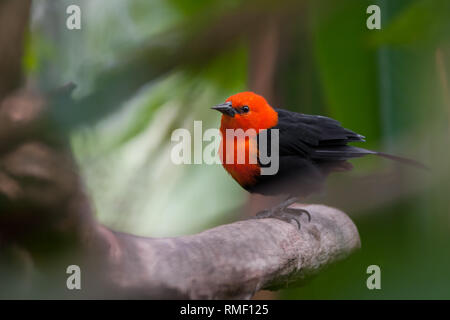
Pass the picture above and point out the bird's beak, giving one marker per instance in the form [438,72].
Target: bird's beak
[226,108]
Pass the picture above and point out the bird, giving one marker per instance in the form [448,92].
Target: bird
[310,147]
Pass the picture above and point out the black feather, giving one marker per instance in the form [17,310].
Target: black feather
[311,147]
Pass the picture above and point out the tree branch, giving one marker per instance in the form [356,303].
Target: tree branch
[233,261]
[13,22]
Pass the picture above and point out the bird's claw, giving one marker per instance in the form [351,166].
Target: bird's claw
[285,214]
[298,212]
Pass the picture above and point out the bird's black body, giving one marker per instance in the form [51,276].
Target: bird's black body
[310,147]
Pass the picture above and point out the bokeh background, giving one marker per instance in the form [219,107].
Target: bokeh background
[144,68]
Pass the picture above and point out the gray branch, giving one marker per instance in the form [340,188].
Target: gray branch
[232,261]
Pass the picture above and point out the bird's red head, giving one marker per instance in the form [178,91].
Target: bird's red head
[247,110]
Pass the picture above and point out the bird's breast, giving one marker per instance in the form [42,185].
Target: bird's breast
[239,158]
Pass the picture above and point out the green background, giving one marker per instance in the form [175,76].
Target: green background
[144,68]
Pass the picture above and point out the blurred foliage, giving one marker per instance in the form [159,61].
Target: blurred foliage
[391,75]
[346,65]
[144,68]
[425,22]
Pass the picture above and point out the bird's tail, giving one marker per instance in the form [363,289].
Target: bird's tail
[407,161]
[346,152]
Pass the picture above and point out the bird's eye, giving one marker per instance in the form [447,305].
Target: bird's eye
[245,109]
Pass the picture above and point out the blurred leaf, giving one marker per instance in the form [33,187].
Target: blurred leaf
[347,66]
[37,49]
[199,7]
[425,21]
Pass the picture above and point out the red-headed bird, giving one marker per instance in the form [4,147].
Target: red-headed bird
[310,148]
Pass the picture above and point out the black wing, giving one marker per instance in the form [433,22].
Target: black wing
[316,137]
[311,147]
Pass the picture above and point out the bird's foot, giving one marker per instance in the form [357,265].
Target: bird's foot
[284,213]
